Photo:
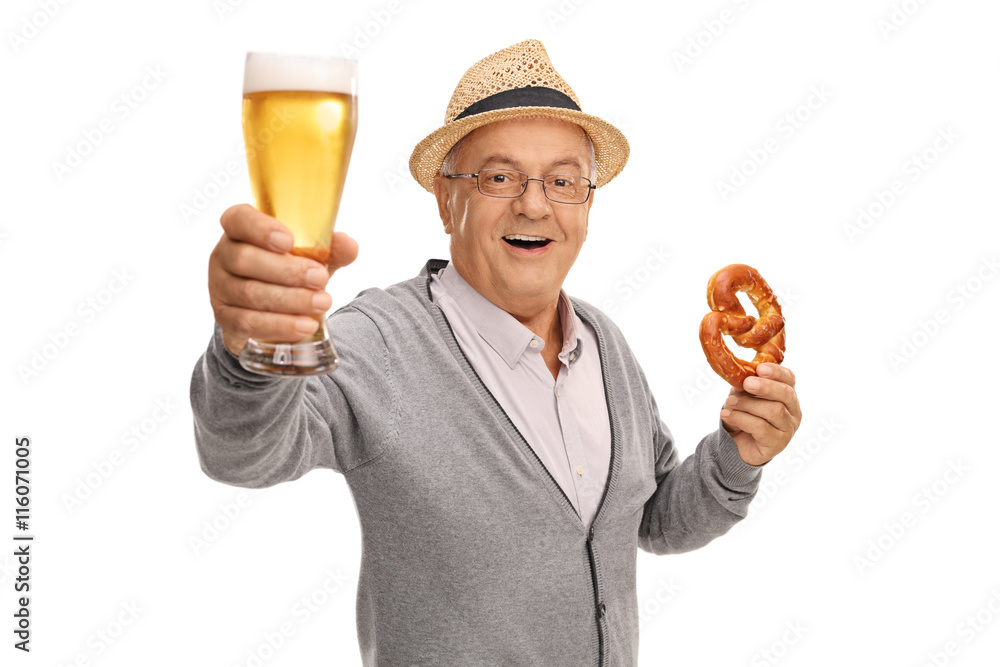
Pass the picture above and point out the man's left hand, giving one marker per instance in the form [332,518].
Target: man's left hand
[764,415]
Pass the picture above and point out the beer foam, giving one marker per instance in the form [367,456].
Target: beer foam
[269,71]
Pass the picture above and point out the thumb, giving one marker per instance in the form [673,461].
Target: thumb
[343,251]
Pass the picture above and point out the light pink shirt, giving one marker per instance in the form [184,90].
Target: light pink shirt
[564,420]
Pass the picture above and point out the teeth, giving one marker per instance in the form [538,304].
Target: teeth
[522,237]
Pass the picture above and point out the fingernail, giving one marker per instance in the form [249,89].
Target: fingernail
[732,400]
[765,370]
[316,276]
[751,384]
[322,301]
[280,241]
[724,413]
[306,327]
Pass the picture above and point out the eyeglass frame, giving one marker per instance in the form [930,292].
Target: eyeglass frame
[524,185]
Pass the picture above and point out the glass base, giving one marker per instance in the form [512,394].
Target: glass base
[312,357]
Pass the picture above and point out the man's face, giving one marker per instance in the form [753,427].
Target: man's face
[518,277]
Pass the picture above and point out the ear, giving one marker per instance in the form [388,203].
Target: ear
[590,202]
[443,195]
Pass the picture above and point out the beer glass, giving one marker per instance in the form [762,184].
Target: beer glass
[300,115]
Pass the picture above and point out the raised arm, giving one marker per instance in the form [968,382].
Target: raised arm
[705,495]
[256,431]
[699,498]
[258,289]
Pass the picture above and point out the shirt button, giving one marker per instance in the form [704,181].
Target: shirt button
[579,470]
[533,343]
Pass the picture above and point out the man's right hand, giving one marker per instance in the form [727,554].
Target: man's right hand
[259,290]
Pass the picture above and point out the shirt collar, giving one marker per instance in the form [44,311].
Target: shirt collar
[509,338]
[571,326]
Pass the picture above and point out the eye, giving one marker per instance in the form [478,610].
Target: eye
[498,178]
[561,182]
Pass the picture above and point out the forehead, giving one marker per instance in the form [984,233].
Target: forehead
[531,139]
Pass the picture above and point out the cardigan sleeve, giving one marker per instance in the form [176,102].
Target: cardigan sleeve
[256,431]
[699,498]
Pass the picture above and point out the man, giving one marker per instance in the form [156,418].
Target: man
[501,443]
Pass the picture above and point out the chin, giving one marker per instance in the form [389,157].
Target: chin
[528,287]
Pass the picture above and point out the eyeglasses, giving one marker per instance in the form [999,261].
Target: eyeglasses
[509,184]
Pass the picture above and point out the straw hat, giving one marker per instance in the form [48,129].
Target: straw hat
[517,81]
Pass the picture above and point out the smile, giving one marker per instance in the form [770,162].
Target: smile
[526,242]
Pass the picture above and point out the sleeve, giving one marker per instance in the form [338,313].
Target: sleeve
[699,498]
[256,431]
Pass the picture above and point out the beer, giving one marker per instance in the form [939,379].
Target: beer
[299,122]
[299,144]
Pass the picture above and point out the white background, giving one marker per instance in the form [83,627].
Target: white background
[841,545]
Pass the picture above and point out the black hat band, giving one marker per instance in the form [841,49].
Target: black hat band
[529,96]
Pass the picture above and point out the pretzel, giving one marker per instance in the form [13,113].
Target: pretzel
[765,334]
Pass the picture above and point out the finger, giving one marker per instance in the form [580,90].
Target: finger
[770,389]
[343,251]
[778,392]
[783,393]
[245,223]
[240,324]
[761,430]
[776,372]
[267,297]
[733,391]
[244,260]
[773,412]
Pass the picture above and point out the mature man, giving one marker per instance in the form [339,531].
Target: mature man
[501,443]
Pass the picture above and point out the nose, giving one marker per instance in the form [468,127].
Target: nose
[532,203]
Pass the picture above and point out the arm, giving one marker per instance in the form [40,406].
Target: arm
[257,431]
[698,499]
[701,498]
[763,416]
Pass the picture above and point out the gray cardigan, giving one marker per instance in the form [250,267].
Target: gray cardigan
[472,554]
